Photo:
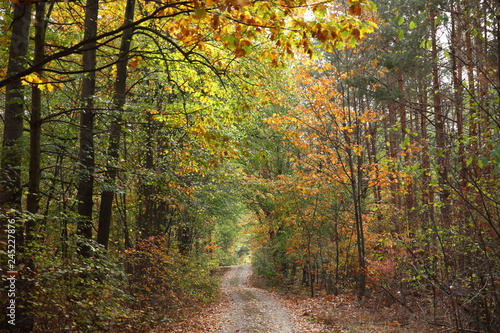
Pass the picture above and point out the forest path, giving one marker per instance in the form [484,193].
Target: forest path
[251,310]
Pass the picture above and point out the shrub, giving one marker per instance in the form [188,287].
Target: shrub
[164,282]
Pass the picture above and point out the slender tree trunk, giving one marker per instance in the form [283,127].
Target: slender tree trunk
[33,197]
[471,88]
[427,191]
[107,196]
[86,156]
[409,195]
[147,215]
[458,90]
[439,120]
[393,153]
[356,188]
[355,165]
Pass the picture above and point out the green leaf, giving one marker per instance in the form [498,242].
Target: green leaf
[482,161]
[401,20]
[345,34]
[200,13]
[401,34]
[496,155]
[412,25]
[406,142]
[340,45]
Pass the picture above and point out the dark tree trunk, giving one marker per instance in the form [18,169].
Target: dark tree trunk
[147,215]
[10,172]
[439,122]
[86,156]
[33,197]
[107,196]
[184,239]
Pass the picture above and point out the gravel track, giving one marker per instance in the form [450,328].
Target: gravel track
[251,310]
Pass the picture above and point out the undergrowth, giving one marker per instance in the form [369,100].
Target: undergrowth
[129,291]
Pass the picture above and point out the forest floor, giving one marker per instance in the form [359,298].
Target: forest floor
[245,308]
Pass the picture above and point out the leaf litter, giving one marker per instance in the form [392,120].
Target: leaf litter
[244,308]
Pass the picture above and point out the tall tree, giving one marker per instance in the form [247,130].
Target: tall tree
[108,194]
[86,154]
[33,197]
[11,160]
[12,149]
[439,116]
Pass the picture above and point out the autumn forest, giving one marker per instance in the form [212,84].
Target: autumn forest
[339,147]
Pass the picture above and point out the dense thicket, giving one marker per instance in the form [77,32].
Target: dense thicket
[392,168]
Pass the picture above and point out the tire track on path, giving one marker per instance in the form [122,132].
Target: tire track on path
[251,310]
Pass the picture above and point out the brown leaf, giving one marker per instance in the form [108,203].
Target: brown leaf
[355,9]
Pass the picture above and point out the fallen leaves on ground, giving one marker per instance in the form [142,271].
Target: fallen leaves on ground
[322,314]
[204,320]
[345,314]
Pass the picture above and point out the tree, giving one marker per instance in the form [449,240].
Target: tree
[329,127]
[86,154]
[107,195]
[10,175]
[11,157]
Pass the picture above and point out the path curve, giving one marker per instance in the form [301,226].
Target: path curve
[251,310]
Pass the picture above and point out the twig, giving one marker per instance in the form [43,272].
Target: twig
[397,299]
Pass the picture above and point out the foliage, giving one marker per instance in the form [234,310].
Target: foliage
[143,287]
[78,294]
[161,283]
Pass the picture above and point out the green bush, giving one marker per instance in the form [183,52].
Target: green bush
[77,294]
[134,290]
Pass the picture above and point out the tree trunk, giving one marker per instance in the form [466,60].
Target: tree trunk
[457,70]
[107,195]
[147,212]
[471,88]
[393,153]
[10,171]
[427,191]
[439,122]
[86,156]
[355,165]
[33,197]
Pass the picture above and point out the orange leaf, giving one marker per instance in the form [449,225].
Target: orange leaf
[355,9]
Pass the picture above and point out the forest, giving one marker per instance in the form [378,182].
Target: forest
[346,147]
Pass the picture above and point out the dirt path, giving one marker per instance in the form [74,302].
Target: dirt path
[251,310]
[246,309]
